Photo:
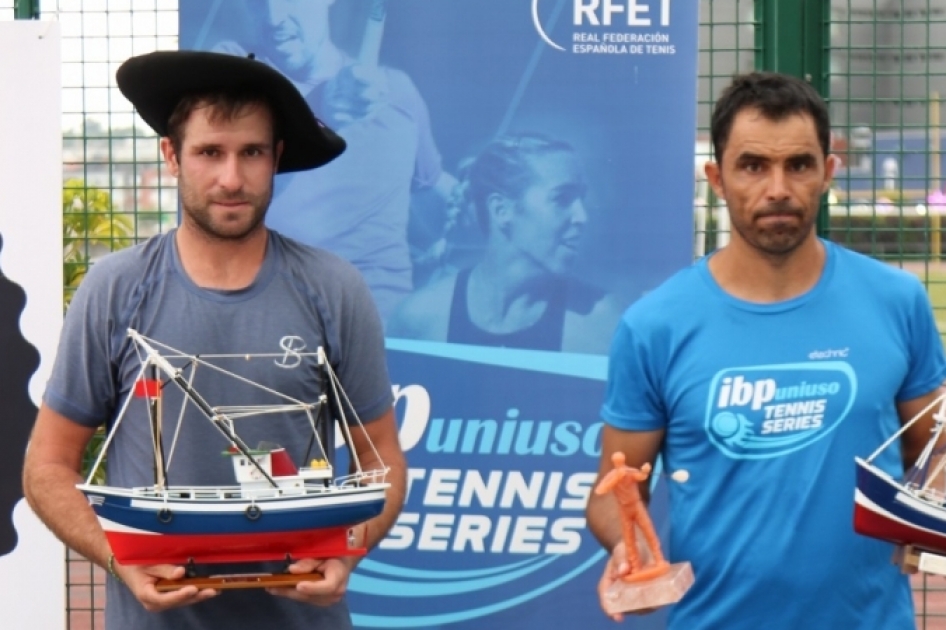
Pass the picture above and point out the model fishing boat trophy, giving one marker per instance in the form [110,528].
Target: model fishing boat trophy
[275,510]
[909,512]
[652,582]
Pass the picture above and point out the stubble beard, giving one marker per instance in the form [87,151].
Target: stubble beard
[780,240]
[197,211]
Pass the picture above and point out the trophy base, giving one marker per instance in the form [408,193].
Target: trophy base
[912,560]
[239,580]
[667,589]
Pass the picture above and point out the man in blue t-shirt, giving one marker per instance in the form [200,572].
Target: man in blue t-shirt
[220,284]
[801,356]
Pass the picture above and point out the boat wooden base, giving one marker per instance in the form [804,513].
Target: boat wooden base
[913,560]
[239,580]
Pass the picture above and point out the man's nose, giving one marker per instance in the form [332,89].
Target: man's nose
[231,176]
[776,185]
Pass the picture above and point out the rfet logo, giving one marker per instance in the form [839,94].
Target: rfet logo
[599,14]
[768,411]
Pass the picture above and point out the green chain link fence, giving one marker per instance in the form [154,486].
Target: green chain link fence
[115,190]
[887,77]
[880,63]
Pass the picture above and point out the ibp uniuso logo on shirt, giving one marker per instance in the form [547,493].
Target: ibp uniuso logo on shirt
[771,410]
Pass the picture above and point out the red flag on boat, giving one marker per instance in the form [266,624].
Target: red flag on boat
[147,388]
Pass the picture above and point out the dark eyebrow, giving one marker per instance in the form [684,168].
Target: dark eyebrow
[260,146]
[802,158]
[751,157]
[755,157]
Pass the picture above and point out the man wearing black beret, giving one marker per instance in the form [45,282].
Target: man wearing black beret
[220,283]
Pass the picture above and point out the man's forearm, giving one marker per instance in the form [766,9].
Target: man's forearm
[604,520]
[378,527]
[51,492]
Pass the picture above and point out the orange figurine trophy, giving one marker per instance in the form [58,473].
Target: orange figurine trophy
[652,581]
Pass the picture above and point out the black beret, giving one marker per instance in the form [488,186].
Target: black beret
[156,82]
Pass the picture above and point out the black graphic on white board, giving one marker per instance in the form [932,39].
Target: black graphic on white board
[18,362]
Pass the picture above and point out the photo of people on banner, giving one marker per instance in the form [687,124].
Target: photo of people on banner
[526,192]
[518,172]
[356,207]
[500,270]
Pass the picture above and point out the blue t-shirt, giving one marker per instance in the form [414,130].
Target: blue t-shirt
[766,406]
[300,299]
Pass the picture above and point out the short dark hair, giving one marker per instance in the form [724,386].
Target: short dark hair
[776,96]
[222,105]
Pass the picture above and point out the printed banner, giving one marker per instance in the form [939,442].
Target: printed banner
[517,173]
[30,306]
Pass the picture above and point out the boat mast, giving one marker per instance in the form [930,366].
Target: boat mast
[923,461]
[319,426]
[219,420]
[939,416]
[154,409]
[338,405]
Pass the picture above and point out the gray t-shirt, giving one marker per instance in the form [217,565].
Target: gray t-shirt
[301,299]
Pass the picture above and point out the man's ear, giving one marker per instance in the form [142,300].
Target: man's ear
[831,164]
[715,178]
[170,156]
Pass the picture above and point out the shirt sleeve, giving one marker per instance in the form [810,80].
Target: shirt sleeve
[81,386]
[632,397]
[927,369]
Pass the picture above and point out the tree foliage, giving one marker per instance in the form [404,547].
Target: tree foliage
[91,226]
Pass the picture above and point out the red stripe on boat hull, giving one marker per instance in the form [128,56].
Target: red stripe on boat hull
[131,548]
[870,523]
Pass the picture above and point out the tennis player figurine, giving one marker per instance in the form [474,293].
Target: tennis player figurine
[652,581]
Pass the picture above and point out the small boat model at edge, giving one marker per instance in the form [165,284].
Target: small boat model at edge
[909,511]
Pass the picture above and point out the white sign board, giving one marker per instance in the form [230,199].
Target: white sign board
[31,559]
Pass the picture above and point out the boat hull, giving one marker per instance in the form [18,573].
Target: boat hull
[884,509]
[158,530]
